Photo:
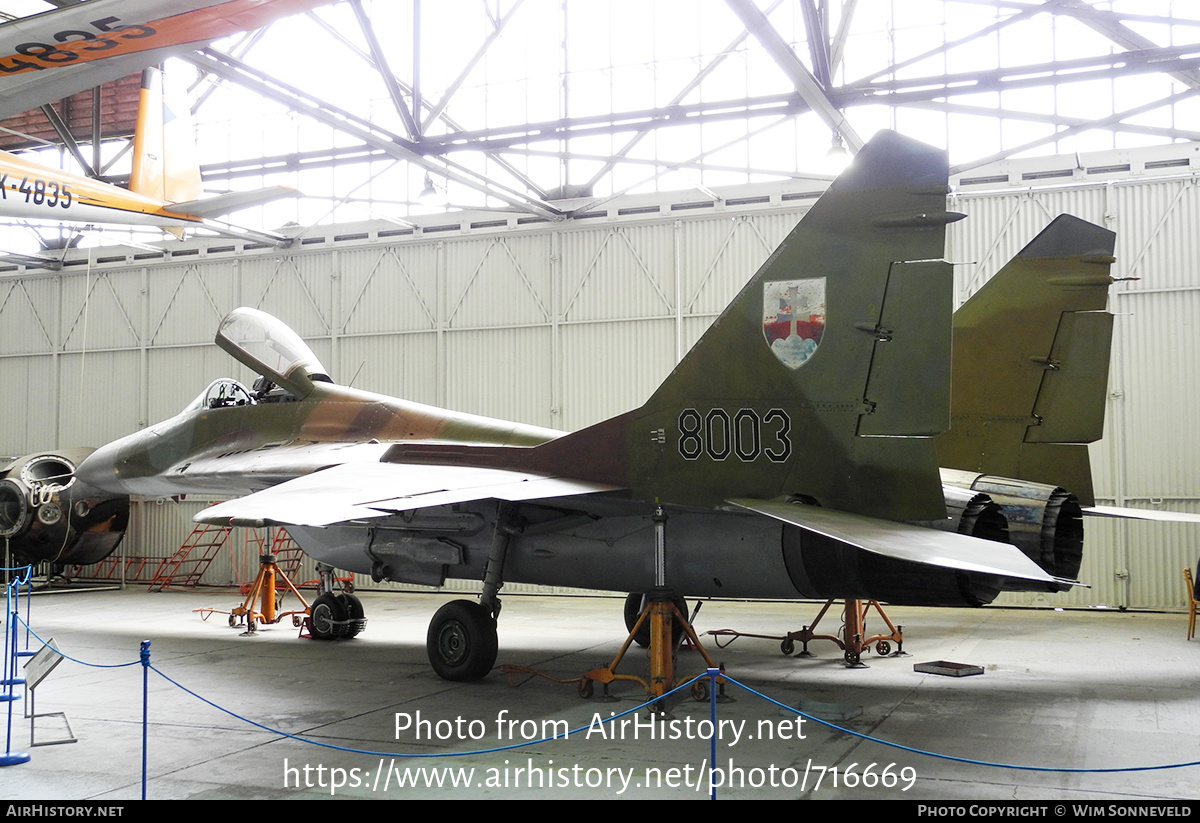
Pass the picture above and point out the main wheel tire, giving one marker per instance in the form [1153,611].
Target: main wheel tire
[633,608]
[323,615]
[634,604]
[462,642]
[354,613]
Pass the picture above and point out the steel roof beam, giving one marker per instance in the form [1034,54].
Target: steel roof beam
[235,71]
[1109,25]
[895,93]
[385,73]
[1103,122]
[1054,119]
[817,29]
[516,173]
[837,48]
[945,47]
[68,139]
[436,111]
[621,156]
[1036,6]
[809,88]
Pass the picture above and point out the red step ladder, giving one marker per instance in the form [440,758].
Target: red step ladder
[184,570]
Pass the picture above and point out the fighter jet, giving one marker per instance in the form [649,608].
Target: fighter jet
[791,450]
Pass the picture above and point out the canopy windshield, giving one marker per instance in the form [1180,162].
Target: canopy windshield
[266,345]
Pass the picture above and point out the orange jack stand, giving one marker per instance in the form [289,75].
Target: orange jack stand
[263,590]
[660,610]
[854,640]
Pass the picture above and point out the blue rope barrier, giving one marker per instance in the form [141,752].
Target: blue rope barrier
[968,760]
[712,675]
[65,656]
[12,606]
[349,750]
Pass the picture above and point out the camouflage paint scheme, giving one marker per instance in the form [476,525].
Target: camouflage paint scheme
[815,479]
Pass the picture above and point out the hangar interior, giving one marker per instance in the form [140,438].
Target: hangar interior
[566,324]
[530,210]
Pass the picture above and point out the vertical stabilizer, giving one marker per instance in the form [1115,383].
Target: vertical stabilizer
[827,375]
[1031,353]
[165,165]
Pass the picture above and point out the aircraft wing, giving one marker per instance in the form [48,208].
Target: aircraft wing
[1142,514]
[222,204]
[357,491]
[903,541]
[83,45]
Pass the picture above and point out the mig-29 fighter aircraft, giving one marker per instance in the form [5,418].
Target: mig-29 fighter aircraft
[792,449]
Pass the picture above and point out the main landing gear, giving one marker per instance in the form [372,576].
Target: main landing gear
[334,615]
[461,642]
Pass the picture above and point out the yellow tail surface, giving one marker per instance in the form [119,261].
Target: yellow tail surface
[165,165]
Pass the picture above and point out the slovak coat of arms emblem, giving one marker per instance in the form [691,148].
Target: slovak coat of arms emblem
[794,318]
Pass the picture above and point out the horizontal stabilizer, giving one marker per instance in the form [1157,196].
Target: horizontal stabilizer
[1142,514]
[222,204]
[362,491]
[902,541]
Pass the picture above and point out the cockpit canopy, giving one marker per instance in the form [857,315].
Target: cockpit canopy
[265,344]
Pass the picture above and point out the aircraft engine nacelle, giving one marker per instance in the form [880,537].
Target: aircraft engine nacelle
[47,514]
[822,567]
[971,513]
[1045,522]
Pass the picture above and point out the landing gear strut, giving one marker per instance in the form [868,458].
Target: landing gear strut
[461,642]
[331,615]
[665,622]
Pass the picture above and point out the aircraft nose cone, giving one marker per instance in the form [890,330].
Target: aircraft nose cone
[100,469]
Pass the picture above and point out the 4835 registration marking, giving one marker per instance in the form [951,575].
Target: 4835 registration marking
[745,434]
[39,192]
[38,56]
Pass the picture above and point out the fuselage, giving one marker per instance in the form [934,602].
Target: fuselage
[32,191]
[227,442]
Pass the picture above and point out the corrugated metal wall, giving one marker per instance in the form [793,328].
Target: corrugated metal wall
[566,324]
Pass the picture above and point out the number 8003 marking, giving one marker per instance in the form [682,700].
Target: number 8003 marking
[718,435]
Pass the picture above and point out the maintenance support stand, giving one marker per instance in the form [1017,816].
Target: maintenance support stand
[659,608]
[263,591]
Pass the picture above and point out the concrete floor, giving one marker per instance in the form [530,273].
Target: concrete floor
[1083,689]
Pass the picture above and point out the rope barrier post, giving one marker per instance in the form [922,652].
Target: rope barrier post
[11,614]
[144,654]
[713,673]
